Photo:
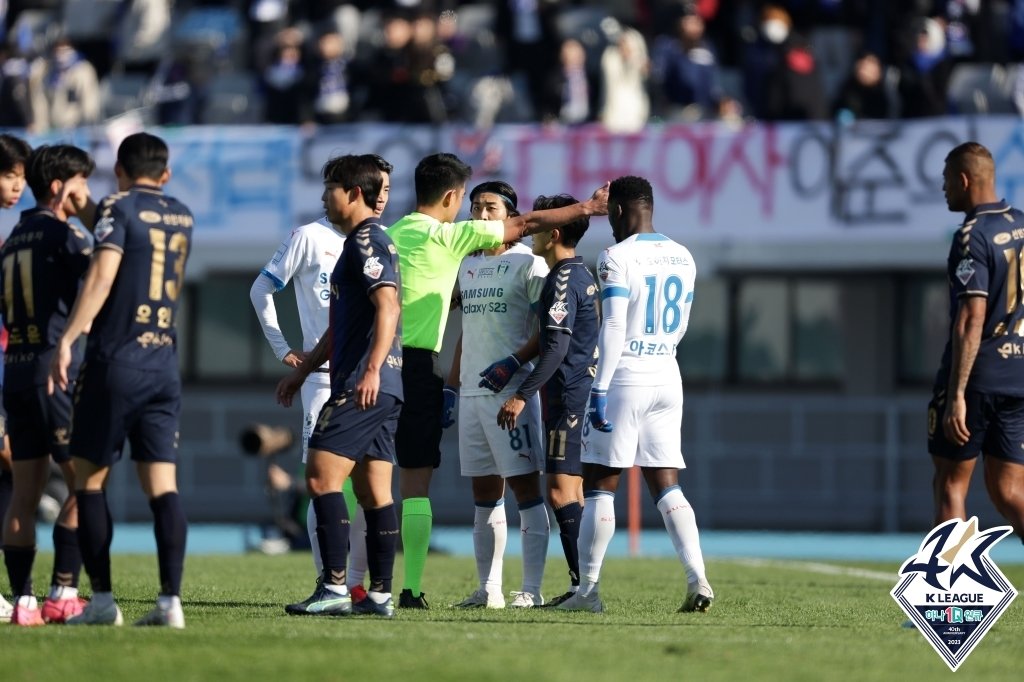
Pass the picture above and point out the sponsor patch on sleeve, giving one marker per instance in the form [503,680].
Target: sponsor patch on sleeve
[558,311]
[104,226]
[372,267]
[965,270]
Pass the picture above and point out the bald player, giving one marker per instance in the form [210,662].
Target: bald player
[978,405]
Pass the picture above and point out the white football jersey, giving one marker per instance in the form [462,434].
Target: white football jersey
[498,296]
[655,275]
[308,256]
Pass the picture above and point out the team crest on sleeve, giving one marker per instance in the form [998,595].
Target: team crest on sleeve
[965,270]
[558,311]
[103,228]
[951,589]
[372,267]
[602,270]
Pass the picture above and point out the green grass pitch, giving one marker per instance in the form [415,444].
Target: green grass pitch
[771,621]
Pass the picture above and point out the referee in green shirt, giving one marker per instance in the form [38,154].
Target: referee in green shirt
[430,247]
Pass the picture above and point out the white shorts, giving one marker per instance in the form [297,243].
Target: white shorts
[485,449]
[314,395]
[647,431]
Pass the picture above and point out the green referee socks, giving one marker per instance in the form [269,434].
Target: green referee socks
[417,518]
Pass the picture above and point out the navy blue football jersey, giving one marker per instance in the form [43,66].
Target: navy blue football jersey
[43,262]
[568,304]
[987,259]
[136,326]
[368,260]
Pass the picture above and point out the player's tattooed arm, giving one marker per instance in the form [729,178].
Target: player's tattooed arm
[547,220]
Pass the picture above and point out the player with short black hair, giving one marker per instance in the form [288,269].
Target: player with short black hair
[14,153]
[42,264]
[355,432]
[499,288]
[978,401]
[130,386]
[308,257]
[568,311]
[647,284]
[431,246]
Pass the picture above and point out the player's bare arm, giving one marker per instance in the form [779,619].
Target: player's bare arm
[385,323]
[547,220]
[966,341]
[99,279]
[290,385]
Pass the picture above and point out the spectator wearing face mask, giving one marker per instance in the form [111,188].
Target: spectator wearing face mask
[781,76]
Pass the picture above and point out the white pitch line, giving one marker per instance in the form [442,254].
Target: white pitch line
[816,567]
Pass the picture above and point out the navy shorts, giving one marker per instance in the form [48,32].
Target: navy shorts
[996,424]
[114,403]
[40,424]
[563,436]
[419,427]
[349,432]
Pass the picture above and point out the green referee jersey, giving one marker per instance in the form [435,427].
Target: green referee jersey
[429,253]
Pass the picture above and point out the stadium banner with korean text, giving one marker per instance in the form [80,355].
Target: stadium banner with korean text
[878,180]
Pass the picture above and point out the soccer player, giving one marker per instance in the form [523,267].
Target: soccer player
[430,247]
[14,153]
[499,288]
[130,385]
[979,388]
[308,256]
[568,343]
[355,431]
[42,265]
[637,398]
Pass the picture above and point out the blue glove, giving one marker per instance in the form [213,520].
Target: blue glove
[497,376]
[598,405]
[451,402]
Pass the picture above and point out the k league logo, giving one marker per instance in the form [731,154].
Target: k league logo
[952,590]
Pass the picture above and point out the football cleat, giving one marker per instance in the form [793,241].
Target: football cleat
[525,600]
[6,610]
[555,601]
[407,601]
[358,593]
[368,607]
[582,602]
[169,615]
[480,600]
[323,602]
[698,598]
[59,610]
[96,614]
[25,616]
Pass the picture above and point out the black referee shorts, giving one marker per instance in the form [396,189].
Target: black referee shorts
[418,441]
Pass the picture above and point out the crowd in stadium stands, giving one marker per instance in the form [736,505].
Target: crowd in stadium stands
[65,63]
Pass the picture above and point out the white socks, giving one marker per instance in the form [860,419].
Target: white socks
[534,525]
[63,592]
[313,541]
[357,550]
[596,530]
[682,528]
[490,534]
